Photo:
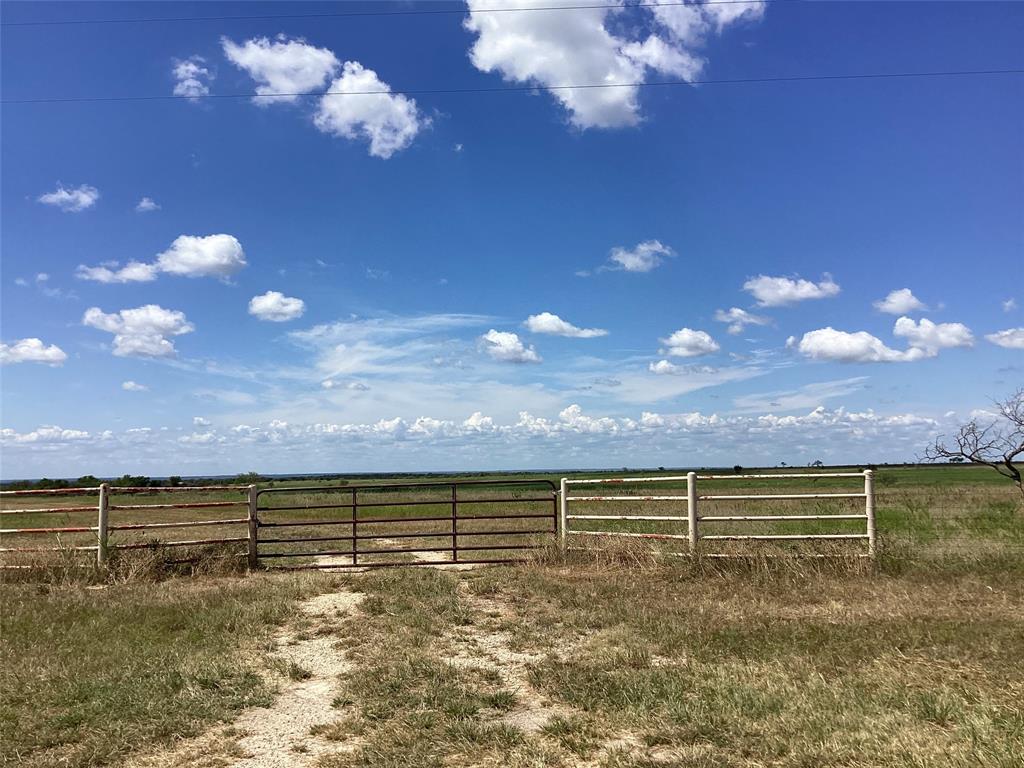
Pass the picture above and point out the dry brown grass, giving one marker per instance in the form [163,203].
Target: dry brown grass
[614,655]
[785,664]
[605,659]
[92,673]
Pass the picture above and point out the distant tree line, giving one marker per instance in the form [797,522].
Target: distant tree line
[130,481]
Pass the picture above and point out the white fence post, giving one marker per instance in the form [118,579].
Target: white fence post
[563,513]
[251,540]
[101,525]
[869,508]
[691,510]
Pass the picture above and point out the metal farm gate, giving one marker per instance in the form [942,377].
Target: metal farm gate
[401,524]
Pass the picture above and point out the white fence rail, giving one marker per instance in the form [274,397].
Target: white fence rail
[696,521]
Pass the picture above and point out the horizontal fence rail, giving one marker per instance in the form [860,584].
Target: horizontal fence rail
[103,527]
[424,523]
[695,521]
[373,523]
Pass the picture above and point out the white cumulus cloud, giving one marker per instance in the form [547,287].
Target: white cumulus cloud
[142,331]
[663,56]
[133,386]
[276,307]
[595,46]
[191,78]
[1011,338]
[643,257]
[739,319]
[924,339]
[549,323]
[71,200]
[282,66]
[147,205]
[211,256]
[31,351]
[780,291]
[508,347]
[931,337]
[687,342]
[218,256]
[844,347]
[477,422]
[551,49]
[664,368]
[45,434]
[900,302]
[389,121]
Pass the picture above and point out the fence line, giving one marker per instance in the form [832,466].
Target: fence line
[562,516]
[103,508]
[694,519]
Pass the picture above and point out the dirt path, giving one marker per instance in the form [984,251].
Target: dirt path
[279,736]
[483,645]
[441,559]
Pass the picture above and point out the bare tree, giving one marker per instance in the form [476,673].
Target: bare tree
[996,443]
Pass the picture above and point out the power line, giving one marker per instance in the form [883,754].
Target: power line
[522,88]
[411,12]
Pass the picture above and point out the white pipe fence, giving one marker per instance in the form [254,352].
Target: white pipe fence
[696,521]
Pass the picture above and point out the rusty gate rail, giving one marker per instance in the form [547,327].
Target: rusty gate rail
[451,500]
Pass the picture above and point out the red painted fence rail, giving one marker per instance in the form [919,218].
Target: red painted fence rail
[103,527]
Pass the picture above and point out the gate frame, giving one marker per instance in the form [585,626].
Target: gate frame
[453,502]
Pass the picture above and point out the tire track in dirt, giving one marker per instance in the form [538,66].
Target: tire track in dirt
[279,736]
[480,645]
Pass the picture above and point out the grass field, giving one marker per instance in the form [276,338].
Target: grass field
[609,658]
[90,674]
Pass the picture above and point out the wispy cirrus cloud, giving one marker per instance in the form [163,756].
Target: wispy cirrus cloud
[807,396]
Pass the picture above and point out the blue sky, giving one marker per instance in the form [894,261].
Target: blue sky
[346,282]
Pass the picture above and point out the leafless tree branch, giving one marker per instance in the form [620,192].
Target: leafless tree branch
[996,444]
